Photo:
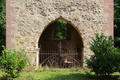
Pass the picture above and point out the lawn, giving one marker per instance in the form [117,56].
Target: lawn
[59,74]
[51,74]
[47,73]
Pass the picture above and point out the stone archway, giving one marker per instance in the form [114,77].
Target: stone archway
[25,23]
[75,42]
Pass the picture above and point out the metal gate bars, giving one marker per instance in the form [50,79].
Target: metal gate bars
[59,58]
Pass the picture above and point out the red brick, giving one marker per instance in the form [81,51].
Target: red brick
[108,10]
[8,22]
[9,36]
[108,1]
[10,45]
[8,40]
[110,29]
[9,0]
[8,13]
[111,24]
[110,6]
[10,27]
[8,8]
[8,3]
[110,19]
[8,31]
[10,18]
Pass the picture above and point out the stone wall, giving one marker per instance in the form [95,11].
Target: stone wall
[33,58]
[27,19]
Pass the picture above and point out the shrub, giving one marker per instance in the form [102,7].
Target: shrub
[106,58]
[13,61]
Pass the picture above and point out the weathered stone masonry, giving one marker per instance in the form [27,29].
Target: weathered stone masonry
[27,19]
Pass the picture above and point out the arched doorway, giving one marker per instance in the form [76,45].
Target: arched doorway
[70,41]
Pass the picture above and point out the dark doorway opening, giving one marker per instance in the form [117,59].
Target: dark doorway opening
[69,37]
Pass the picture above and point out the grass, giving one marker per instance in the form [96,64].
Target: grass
[46,73]
[60,74]
[51,74]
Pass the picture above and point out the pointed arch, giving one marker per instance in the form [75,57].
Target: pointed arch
[64,20]
[75,43]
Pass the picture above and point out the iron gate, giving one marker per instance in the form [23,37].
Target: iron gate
[59,58]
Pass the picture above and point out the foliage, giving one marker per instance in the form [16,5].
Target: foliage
[117,10]
[61,29]
[2,24]
[106,58]
[13,61]
[117,41]
[117,22]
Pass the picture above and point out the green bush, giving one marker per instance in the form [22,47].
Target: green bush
[13,61]
[106,58]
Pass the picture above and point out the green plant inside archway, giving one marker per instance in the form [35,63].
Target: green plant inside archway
[61,29]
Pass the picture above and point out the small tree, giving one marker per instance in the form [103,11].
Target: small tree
[106,58]
[13,61]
